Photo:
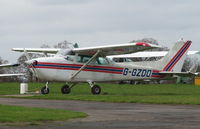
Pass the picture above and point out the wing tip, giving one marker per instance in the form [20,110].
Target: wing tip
[143,44]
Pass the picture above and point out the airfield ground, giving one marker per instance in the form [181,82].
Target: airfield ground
[114,115]
[18,114]
[166,107]
[153,94]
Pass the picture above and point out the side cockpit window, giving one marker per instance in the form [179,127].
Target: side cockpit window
[121,60]
[102,61]
[85,59]
[69,58]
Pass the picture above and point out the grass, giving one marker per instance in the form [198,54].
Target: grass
[155,94]
[19,114]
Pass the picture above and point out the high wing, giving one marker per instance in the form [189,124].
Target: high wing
[8,75]
[8,65]
[150,54]
[104,50]
[37,50]
[115,49]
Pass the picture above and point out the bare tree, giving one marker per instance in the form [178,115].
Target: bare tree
[44,46]
[64,45]
[146,40]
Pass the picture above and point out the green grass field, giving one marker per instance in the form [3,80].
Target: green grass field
[158,94]
[17,114]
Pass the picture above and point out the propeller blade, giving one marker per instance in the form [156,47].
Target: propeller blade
[31,64]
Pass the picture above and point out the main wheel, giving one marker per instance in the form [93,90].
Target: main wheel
[96,90]
[65,89]
[45,90]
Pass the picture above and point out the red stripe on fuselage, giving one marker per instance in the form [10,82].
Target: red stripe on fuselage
[49,67]
[156,71]
[158,76]
[80,65]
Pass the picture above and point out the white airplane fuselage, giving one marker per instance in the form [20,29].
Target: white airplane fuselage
[62,69]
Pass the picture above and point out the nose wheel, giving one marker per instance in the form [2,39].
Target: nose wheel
[45,89]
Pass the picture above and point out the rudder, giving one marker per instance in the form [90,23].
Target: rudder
[175,58]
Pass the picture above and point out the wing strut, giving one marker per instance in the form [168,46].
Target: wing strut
[90,60]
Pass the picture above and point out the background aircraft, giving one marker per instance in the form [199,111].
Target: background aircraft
[9,65]
[146,54]
[91,65]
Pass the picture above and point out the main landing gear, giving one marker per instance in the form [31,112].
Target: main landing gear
[95,89]
[66,89]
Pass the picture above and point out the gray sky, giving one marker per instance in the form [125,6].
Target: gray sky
[31,23]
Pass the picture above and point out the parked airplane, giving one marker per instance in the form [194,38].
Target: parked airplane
[9,65]
[146,54]
[91,65]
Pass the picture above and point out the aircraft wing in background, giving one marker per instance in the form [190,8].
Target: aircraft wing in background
[9,75]
[37,50]
[8,65]
[146,54]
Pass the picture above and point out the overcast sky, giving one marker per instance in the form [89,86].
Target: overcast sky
[31,23]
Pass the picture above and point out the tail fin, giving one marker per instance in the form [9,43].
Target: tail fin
[174,60]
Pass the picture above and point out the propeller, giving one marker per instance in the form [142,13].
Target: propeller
[31,64]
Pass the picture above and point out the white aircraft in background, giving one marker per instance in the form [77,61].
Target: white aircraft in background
[9,65]
[92,65]
[146,54]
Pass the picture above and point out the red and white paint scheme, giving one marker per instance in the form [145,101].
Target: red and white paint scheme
[92,65]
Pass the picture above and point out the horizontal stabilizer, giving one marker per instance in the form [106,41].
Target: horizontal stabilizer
[184,74]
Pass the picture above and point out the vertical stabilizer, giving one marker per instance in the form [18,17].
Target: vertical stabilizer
[175,58]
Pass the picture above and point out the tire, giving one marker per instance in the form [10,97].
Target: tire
[45,90]
[96,90]
[65,89]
